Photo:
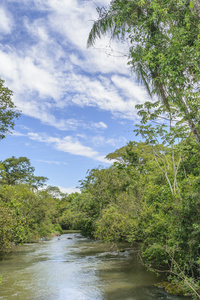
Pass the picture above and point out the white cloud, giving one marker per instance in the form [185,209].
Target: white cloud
[101,141]
[102,159]
[103,58]
[67,144]
[73,20]
[17,133]
[44,76]
[130,89]
[23,127]
[73,146]
[119,95]
[6,21]
[52,162]
[37,29]
[69,190]
[24,76]
[101,125]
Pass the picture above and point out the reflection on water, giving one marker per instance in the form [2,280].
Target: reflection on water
[72,267]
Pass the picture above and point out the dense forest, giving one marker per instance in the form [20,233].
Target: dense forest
[158,203]
[28,208]
[150,194]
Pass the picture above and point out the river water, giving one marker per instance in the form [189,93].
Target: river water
[72,267]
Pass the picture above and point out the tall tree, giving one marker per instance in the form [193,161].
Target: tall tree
[19,170]
[164,51]
[8,111]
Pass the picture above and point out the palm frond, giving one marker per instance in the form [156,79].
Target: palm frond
[99,28]
[114,20]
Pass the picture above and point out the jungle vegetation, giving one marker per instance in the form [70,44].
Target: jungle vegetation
[150,194]
[28,208]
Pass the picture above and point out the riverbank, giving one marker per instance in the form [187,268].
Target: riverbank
[173,289]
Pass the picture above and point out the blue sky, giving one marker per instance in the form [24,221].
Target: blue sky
[77,104]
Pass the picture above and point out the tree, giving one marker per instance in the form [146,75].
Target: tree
[8,110]
[19,170]
[55,192]
[150,194]
[25,215]
[164,51]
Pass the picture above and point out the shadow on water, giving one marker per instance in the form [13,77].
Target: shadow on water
[73,267]
[140,293]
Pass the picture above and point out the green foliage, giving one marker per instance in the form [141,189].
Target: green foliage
[164,53]
[26,214]
[7,225]
[140,198]
[113,225]
[8,112]
[19,170]
[78,211]
[160,178]
[155,255]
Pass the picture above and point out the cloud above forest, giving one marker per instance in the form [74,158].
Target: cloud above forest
[67,144]
[51,66]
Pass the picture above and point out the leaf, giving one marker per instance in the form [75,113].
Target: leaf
[191,4]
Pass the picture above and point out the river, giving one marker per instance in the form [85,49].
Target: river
[72,267]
